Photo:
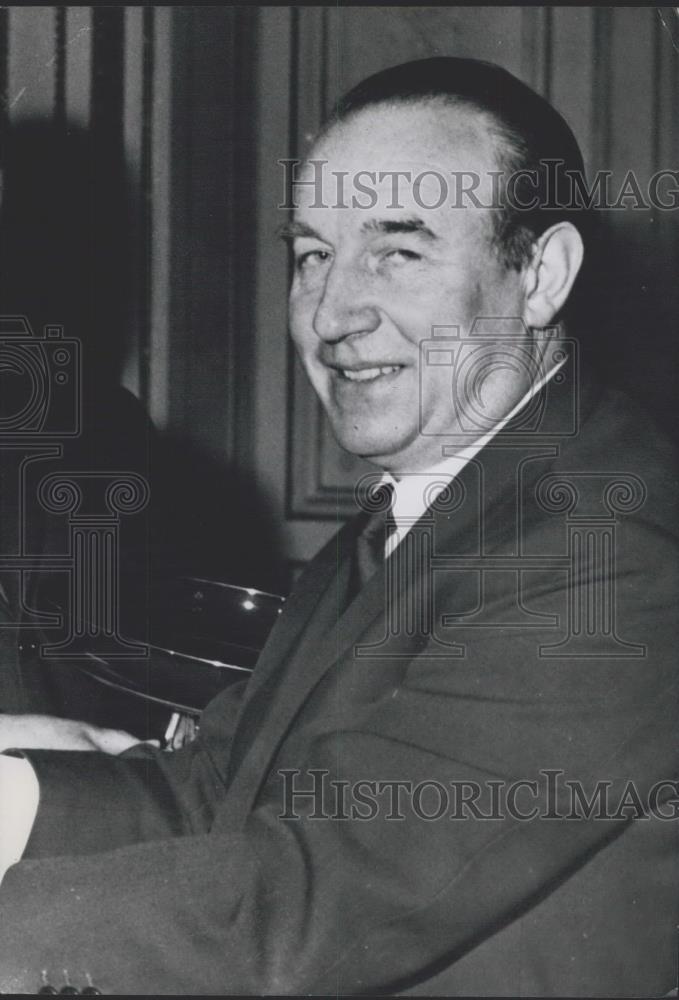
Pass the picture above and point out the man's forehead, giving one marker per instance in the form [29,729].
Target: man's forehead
[396,160]
[430,134]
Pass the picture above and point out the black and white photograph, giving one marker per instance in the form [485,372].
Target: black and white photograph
[339,534]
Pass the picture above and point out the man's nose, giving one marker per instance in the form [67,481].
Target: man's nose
[344,307]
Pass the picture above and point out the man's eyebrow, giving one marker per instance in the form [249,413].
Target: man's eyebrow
[292,230]
[396,226]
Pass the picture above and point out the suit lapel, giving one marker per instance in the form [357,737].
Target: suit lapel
[300,606]
[311,613]
[290,675]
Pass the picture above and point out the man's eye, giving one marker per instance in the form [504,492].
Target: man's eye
[311,259]
[401,254]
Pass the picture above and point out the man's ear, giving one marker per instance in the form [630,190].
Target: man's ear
[557,256]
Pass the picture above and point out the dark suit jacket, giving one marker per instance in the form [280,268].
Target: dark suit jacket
[175,873]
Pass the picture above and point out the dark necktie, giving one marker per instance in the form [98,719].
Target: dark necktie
[371,541]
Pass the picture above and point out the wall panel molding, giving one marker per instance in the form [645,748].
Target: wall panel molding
[77,71]
[32,61]
[578,74]
[536,48]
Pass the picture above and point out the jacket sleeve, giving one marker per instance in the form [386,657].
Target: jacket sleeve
[93,802]
[290,907]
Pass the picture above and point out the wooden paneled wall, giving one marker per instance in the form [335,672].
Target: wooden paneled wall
[84,73]
[612,72]
[155,105]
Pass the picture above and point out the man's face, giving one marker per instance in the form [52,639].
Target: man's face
[370,283]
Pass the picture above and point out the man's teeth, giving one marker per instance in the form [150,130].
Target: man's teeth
[367,374]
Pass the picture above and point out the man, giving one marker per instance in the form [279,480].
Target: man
[454,768]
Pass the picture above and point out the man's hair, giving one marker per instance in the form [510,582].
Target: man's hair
[529,131]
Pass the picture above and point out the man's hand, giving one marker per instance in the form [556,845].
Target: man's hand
[44,732]
[19,794]
[19,790]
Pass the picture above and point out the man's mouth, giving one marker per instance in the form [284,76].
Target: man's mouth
[367,374]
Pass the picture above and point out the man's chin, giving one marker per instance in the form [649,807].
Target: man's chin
[376,449]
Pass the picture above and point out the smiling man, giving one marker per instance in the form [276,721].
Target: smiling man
[454,770]
[372,280]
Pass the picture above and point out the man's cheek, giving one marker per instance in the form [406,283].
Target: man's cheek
[436,398]
[300,323]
